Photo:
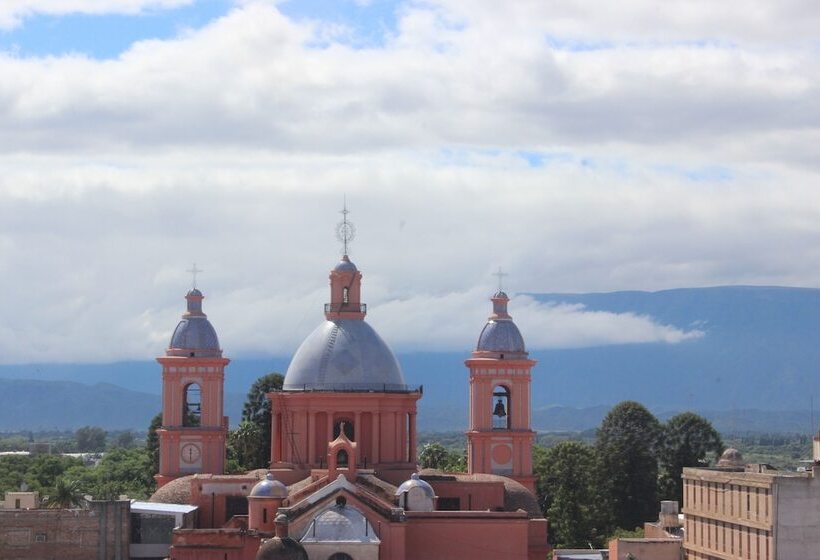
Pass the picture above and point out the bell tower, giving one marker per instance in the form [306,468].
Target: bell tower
[194,429]
[499,440]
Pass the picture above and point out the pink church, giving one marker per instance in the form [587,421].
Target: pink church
[343,481]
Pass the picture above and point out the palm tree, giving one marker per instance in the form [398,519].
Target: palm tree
[67,494]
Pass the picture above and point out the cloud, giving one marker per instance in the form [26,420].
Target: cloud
[654,151]
[453,321]
[13,12]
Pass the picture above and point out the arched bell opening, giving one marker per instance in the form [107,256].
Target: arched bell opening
[192,406]
[342,459]
[501,408]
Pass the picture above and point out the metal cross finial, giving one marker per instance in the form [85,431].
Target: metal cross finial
[194,270]
[345,230]
[501,276]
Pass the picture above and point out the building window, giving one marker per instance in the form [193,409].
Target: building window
[345,295]
[40,537]
[192,406]
[501,408]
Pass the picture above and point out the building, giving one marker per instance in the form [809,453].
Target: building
[343,482]
[101,531]
[738,511]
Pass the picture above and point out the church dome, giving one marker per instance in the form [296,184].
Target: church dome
[345,265]
[501,335]
[269,488]
[194,335]
[344,354]
[281,549]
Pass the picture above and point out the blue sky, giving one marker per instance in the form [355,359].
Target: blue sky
[106,36]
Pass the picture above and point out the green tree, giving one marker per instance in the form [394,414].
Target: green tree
[152,443]
[124,439]
[257,410]
[90,439]
[627,464]
[67,494]
[244,445]
[566,487]
[433,455]
[686,441]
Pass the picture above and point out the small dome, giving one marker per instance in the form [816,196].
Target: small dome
[178,491]
[731,458]
[500,335]
[269,488]
[416,482]
[345,265]
[281,549]
[340,523]
[194,335]
[344,354]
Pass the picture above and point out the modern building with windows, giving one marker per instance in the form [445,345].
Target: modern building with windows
[736,511]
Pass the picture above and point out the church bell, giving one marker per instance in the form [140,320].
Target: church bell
[499,409]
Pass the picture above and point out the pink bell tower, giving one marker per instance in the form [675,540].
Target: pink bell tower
[193,432]
[499,440]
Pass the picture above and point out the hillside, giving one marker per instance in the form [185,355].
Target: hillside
[756,367]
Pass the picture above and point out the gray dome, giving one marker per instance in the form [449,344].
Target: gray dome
[416,482]
[345,354]
[500,335]
[197,335]
[269,488]
[194,335]
[345,265]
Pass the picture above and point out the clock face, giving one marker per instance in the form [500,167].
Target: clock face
[190,453]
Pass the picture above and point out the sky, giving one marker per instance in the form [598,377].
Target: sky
[580,146]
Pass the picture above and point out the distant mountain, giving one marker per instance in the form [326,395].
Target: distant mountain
[758,364]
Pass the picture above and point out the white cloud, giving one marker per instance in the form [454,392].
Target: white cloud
[677,152]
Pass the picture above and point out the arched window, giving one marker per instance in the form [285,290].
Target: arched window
[192,406]
[348,427]
[341,459]
[340,556]
[345,295]
[501,408]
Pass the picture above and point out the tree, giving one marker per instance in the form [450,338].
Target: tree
[152,442]
[686,440]
[567,490]
[67,494]
[124,439]
[257,411]
[244,445]
[90,438]
[433,455]
[627,467]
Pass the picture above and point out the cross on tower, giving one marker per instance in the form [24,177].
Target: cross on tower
[500,276]
[345,231]
[194,270]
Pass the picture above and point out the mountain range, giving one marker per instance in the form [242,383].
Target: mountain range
[755,367]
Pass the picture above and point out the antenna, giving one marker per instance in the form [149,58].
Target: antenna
[345,230]
[194,270]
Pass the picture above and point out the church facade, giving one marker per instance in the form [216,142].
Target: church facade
[343,481]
